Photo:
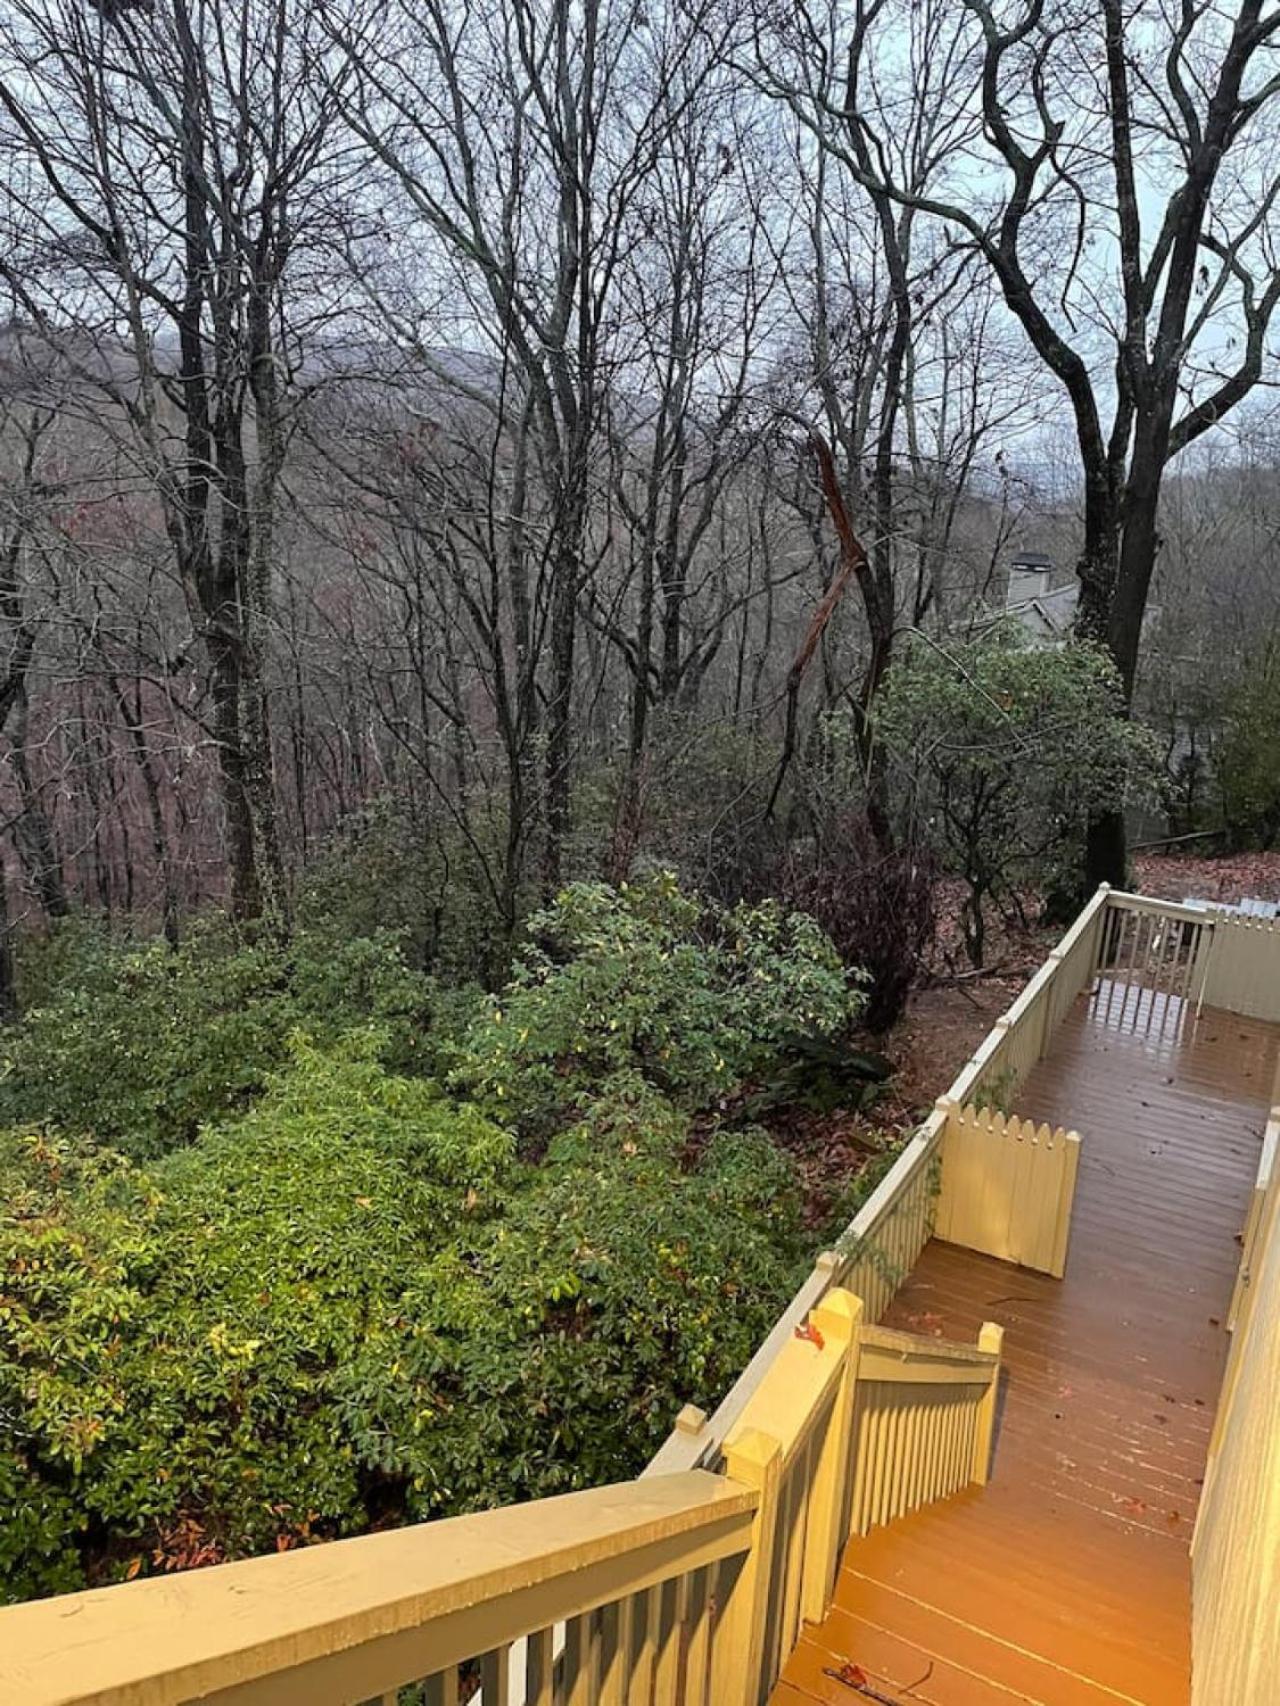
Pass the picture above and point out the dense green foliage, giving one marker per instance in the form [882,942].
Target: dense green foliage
[1248,756]
[1010,749]
[169,1336]
[647,979]
[349,1300]
[137,1045]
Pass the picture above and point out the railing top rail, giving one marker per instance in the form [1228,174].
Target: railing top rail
[1031,991]
[418,1594]
[1128,902]
[912,1347]
[902,1174]
[1080,924]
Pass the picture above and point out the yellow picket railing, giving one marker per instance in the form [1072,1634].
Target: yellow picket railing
[1268,1179]
[1007,1187]
[792,1443]
[852,1426]
[924,1418]
[1153,960]
[1022,1037]
[628,1573]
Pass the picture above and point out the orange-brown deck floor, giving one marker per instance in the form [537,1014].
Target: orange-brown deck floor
[1066,1580]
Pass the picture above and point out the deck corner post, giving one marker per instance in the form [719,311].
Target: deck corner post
[990,1338]
[838,1318]
[738,1659]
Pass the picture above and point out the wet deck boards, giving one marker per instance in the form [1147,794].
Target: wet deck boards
[1066,1580]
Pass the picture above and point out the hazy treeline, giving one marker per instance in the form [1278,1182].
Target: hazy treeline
[541,424]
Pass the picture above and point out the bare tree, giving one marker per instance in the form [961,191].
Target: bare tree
[519,141]
[25,497]
[1111,166]
[169,168]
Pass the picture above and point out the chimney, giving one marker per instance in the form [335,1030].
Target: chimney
[1029,574]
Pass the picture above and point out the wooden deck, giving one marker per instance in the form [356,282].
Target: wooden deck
[1066,1580]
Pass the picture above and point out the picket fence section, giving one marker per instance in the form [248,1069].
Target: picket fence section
[1242,974]
[1007,1188]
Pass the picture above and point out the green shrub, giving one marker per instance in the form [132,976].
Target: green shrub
[551,1351]
[352,1305]
[141,1045]
[1247,756]
[41,1526]
[647,979]
[349,1301]
[76,1246]
[168,1338]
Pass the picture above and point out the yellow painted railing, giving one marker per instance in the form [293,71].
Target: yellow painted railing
[924,1418]
[629,1573]
[1259,1229]
[1235,1554]
[883,1242]
[1158,959]
[1007,1187]
[677,1590]
[1022,1037]
[1153,960]
[851,1427]
[1251,1243]
[792,1444]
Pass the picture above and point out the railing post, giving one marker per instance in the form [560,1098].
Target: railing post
[837,1318]
[1100,943]
[990,1338]
[691,1421]
[942,1215]
[737,1665]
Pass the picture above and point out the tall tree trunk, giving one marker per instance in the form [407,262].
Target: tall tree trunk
[259,757]
[33,831]
[1115,578]
[8,982]
[225,687]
